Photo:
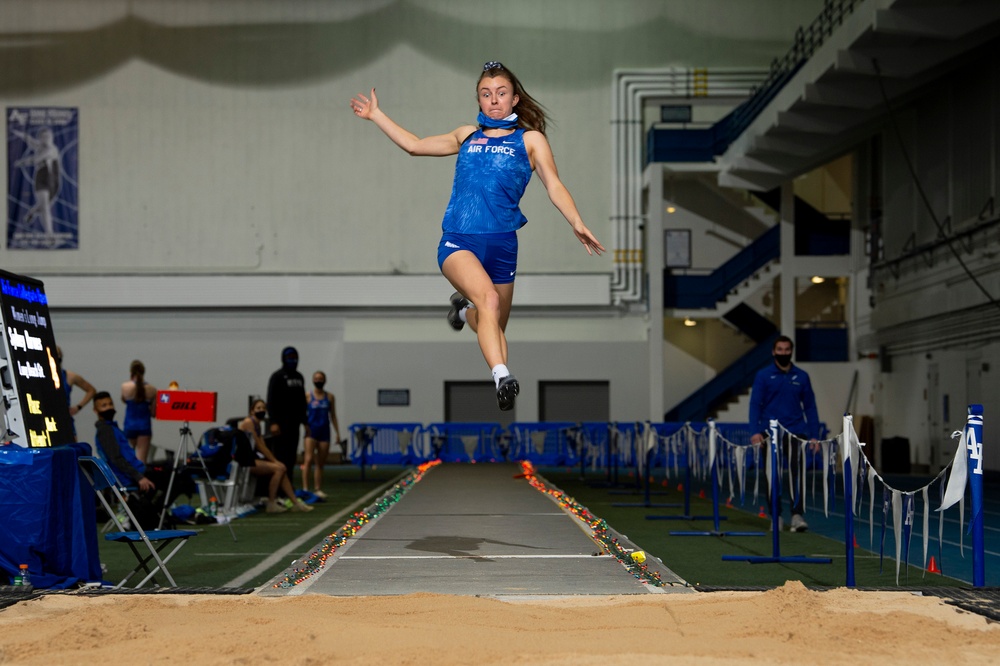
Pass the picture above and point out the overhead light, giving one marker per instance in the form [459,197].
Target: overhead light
[816,279]
[690,322]
[671,210]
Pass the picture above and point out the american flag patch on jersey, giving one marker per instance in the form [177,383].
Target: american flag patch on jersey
[482,140]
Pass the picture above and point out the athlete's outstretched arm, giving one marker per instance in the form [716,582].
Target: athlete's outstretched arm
[544,164]
[435,146]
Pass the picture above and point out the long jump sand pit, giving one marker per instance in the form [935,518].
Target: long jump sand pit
[790,624]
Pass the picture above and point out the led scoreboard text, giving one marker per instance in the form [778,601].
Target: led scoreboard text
[36,410]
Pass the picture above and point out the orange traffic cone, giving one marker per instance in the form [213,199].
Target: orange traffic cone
[729,503]
[702,494]
[856,542]
[665,483]
[680,487]
[762,514]
[932,566]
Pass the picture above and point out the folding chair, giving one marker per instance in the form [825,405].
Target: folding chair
[102,478]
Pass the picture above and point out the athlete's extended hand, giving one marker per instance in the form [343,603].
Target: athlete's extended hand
[587,238]
[364,107]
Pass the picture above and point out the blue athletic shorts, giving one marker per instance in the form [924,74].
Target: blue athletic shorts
[496,252]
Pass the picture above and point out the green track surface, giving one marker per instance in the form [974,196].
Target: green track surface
[214,559]
[698,559]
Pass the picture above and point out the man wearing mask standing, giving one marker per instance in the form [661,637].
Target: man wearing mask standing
[286,405]
[782,391]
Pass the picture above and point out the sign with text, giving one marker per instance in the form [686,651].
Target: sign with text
[186,406]
[32,384]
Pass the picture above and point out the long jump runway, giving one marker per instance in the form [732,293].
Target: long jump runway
[474,530]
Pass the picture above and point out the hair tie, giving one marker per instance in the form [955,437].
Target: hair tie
[492,64]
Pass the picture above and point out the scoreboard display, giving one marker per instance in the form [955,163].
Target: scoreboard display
[36,411]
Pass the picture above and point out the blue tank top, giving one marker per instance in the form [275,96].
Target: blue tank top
[137,416]
[318,412]
[66,386]
[491,174]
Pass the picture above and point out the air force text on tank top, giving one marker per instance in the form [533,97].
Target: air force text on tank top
[491,174]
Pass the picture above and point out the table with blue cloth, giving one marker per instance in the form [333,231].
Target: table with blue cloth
[47,517]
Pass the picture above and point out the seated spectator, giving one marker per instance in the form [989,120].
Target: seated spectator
[267,464]
[113,447]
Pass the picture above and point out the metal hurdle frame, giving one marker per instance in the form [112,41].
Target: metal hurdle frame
[775,487]
[651,442]
[713,464]
[966,470]
[442,435]
[690,454]
[370,444]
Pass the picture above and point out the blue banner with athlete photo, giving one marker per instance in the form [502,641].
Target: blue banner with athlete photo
[42,170]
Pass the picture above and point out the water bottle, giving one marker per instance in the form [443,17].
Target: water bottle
[213,506]
[25,578]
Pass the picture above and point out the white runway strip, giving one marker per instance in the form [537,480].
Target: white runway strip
[484,556]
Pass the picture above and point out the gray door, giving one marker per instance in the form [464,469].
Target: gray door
[574,401]
[474,402]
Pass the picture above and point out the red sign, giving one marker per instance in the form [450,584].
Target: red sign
[186,405]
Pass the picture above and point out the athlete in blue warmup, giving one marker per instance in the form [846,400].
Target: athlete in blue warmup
[478,250]
[782,391]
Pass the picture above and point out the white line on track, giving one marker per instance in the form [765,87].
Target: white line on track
[484,556]
[227,554]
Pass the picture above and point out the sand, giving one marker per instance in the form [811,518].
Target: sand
[789,624]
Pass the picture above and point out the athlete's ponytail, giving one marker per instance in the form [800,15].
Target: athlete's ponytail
[138,372]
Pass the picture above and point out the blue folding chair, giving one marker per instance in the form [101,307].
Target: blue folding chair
[102,478]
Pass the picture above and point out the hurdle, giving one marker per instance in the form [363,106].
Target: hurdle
[713,464]
[543,443]
[388,443]
[613,458]
[776,557]
[467,442]
[644,463]
[966,469]
[690,436]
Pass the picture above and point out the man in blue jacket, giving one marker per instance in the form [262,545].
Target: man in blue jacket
[114,448]
[783,392]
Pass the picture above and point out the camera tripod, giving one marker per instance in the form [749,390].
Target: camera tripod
[180,460]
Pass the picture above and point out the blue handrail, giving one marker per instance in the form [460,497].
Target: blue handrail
[702,145]
[704,291]
[735,379]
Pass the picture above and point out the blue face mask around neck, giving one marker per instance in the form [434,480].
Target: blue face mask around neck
[510,122]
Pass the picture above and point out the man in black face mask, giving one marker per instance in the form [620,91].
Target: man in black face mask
[286,404]
[783,392]
[114,448]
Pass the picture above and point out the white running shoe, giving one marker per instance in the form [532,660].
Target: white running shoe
[275,507]
[799,523]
